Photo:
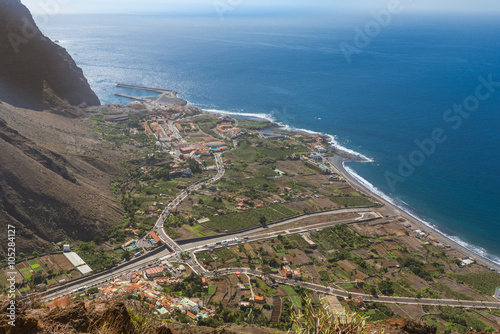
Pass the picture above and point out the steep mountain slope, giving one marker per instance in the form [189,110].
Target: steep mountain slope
[54,173]
[36,73]
[49,196]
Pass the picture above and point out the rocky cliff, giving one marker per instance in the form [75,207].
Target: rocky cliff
[36,73]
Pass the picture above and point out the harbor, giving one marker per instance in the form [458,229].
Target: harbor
[167,97]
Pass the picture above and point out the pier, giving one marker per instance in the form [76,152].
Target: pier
[133,97]
[167,97]
[151,89]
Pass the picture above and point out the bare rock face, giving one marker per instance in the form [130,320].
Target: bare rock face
[36,73]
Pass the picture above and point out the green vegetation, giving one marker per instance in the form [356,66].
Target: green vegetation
[430,293]
[172,233]
[340,237]
[204,257]
[268,291]
[254,188]
[294,241]
[325,277]
[294,297]
[319,319]
[253,125]
[403,289]
[484,283]
[266,152]
[97,260]
[452,293]
[386,287]
[206,123]
[211,289]
[416,266]
[190,286]
[249,218]
[118,132]
[461,321]
[224,254]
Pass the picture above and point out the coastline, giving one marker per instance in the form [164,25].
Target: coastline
[342,155]
[392,210]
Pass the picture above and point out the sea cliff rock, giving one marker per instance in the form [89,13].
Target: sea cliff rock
[36,73]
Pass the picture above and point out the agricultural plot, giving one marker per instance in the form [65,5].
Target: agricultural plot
[49,264]
[204,257]
[339,237]
[224,255]
[35,266]
[62,262]
[325,277]
[249,218]
[351,200]
[220,290]
[298,241]
[25,270]
[294,297]
[484,283]
[202,230]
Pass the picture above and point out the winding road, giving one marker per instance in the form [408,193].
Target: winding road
[171,252]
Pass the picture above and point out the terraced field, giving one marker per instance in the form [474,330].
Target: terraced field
[250,218]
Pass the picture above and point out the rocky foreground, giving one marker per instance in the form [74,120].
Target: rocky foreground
[122,317]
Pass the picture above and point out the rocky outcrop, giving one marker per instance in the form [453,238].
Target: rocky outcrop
[110,318]
[36,73]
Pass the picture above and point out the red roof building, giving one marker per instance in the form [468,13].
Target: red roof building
[154,272]
[188,149]
[155,237]
[59,303]
[259,299]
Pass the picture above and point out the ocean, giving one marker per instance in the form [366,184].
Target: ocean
[395,98]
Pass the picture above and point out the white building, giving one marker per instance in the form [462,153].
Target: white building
[497,293]
[66,249]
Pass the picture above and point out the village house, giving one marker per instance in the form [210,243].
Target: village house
[154,272]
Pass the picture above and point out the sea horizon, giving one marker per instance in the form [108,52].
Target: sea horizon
[377,105]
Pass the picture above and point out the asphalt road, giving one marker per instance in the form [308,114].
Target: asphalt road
[366,214]
[253,235]
[365,297]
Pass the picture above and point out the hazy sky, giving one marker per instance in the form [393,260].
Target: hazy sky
[53,7]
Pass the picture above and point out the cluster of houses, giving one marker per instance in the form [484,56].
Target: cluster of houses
[426,236]
[288,272]
[175,112]
[319,148]
[227,130]
[148,287]
[186,126]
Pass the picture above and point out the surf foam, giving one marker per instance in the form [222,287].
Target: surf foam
[402,205]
